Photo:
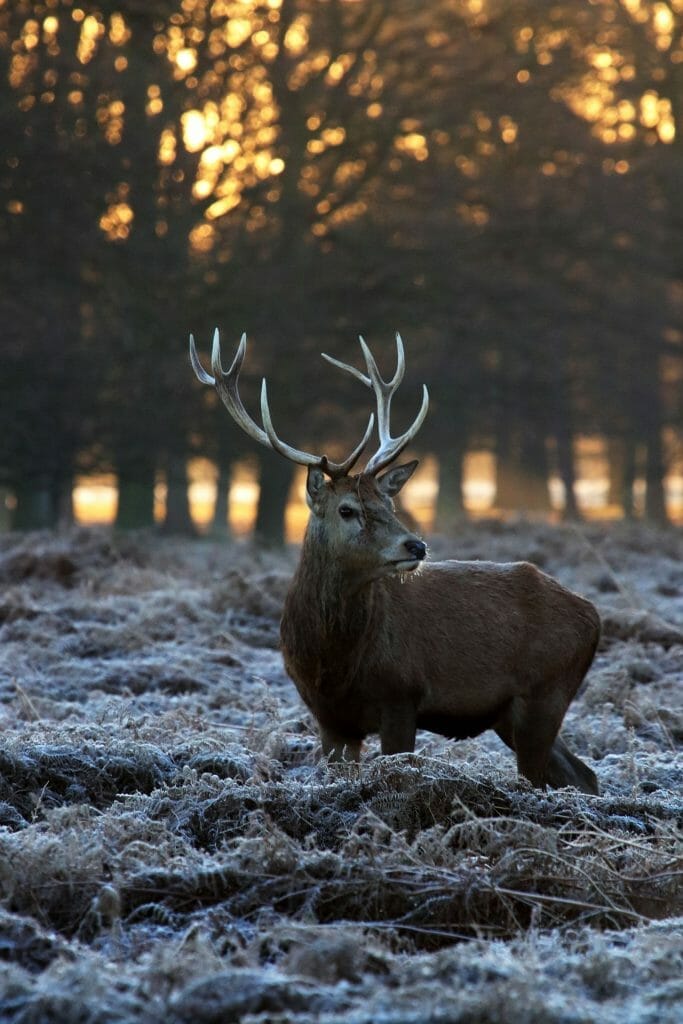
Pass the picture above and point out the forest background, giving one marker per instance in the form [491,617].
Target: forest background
[500,180]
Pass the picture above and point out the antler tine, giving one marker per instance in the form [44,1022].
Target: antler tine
[353,458]
[226,386]
[392,447]
[348,369]
[199,370]
[387,387]
[389,447]
[374,380]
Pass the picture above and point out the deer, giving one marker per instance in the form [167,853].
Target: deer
[466,646]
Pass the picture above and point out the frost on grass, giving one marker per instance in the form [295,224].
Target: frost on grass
[172,848]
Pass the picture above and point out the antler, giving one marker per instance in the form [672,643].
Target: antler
[389,447]
[226,386]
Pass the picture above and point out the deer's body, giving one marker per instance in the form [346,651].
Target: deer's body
[452,647]
[460,648]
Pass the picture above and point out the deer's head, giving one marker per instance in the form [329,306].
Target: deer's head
[352,516]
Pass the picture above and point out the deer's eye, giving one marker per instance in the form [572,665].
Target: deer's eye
[347,511]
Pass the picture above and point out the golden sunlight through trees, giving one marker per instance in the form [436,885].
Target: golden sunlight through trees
[466,171]
[238,61]
[647,41]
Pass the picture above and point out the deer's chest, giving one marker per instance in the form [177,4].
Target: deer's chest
[342,696]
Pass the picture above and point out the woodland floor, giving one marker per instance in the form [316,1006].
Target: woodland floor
[172,848]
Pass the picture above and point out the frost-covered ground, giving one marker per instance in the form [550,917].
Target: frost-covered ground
[173,850]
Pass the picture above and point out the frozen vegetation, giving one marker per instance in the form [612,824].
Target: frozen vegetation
[172,849]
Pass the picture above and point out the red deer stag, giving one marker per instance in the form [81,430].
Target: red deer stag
[465,647]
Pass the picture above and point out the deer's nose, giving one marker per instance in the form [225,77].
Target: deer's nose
[416,548]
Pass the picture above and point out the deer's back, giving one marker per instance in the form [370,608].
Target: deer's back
[487,623]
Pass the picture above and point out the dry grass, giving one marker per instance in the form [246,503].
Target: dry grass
[172,848]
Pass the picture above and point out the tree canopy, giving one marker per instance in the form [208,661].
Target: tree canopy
[500,180]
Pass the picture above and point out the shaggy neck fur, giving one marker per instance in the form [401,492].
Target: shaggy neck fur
[330,614]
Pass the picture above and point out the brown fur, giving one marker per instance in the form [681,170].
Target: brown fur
[460,648]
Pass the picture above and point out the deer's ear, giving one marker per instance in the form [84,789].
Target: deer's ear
[315,486]
[390,483]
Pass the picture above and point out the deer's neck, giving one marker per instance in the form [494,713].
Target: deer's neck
[330,615]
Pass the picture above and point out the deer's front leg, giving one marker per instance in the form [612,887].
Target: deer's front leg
[397,729]
[337,748]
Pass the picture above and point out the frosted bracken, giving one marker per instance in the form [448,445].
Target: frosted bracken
[172,849]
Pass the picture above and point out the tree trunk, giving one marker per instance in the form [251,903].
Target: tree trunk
[616,461]
[35,508]
[567,473]
[275,481]
[628,482]
[178,518]
[649,405]
[220,525]
[562,423]
[5,513]
[135,510]
[522,475]
[622,453]
[64,502]
[655,497]
[450,505]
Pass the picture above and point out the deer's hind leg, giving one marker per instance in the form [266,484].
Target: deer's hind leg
[535,726]
[566,769]
[530,727]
